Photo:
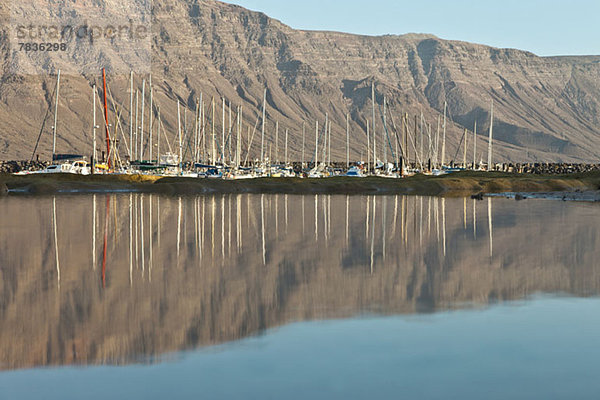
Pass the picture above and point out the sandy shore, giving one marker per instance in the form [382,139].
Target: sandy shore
[457,184]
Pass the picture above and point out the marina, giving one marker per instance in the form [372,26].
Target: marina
[279,200]
[196,150]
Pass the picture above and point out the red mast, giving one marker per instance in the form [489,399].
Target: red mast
[106,119]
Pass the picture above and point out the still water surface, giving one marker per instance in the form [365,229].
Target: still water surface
[264,296]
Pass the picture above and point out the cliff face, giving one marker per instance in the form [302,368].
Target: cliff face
[546,109]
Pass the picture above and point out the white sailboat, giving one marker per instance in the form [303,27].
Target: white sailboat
[80,167]
[355,172]
[62,163]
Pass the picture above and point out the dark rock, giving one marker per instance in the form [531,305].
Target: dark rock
[10,167]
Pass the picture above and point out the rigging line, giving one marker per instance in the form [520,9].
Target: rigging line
[164,131]
[119,113]
[152,116]
[216,140]
[227,138]
[397,136]
[109,137]
[459,143]
[113,149]
[412,141]
[251,140]
[452,122]
[386,132]
[188,140]
[203,134]
[37,142]
[201,131]
[229,134]
[220,150]
[320,137]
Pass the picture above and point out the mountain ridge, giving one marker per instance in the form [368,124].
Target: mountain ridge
[546,108]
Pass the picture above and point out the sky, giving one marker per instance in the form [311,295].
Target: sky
[544,27]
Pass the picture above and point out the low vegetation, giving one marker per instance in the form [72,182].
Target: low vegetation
[456,184]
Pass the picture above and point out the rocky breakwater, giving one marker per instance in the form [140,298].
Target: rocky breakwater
[10,167]
[557,168]
[546,168]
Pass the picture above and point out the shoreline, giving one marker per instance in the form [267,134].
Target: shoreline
[585,196]
[458,184]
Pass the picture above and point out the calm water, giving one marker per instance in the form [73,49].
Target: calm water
[262,296]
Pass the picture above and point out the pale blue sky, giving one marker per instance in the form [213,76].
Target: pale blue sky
[544,27]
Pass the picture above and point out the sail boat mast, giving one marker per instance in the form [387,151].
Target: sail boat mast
[474,145]
[285,160]
[316,142]
[142,120]
[151,116]
[262,139]
[201,139]
[158,138]
[55,116]
[384,134]
[444,138]
[303,142]
[329,146]
[325,139]
[223,135]
[214,137]
[179,134]
[131,115]
[137,125]
[373,130]
[238,148]
[347,140]
[94,127]
[276,158]
[230,133]
[368,145]
[490,140]
[106,119]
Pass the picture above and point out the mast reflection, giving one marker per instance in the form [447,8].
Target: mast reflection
[163,286]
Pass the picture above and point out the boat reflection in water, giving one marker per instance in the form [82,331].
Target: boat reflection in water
[178,273]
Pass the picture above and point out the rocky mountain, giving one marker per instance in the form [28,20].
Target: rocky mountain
[546,108]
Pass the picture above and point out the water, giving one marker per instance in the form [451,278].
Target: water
[263,296]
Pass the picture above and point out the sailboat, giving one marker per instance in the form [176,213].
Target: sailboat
[62,163]
[317,171]
[80,167]
[355,172]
